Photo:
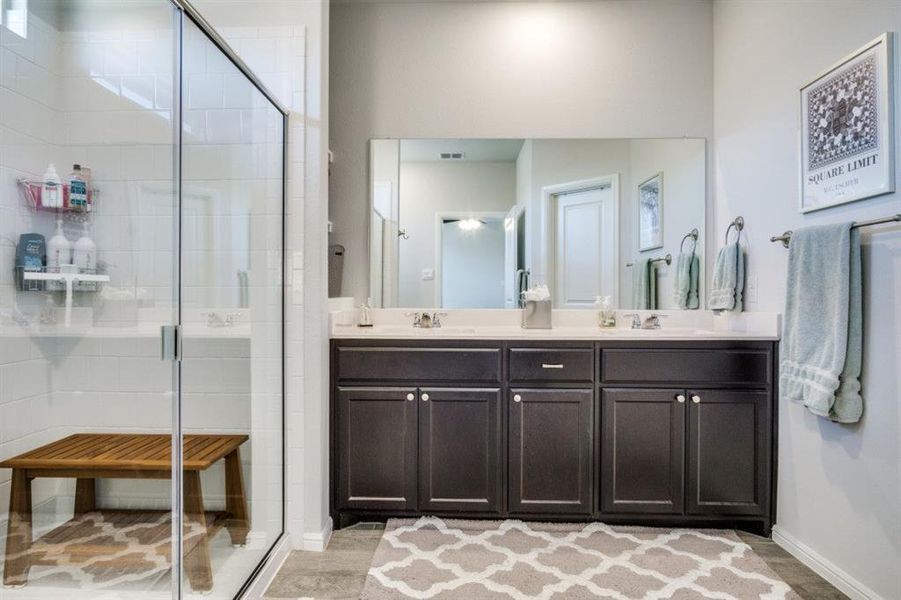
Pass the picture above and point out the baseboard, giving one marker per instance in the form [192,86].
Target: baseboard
[264,577]
[823,567]
[317,542]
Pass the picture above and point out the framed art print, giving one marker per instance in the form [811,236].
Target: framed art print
[650,213]
[846,129]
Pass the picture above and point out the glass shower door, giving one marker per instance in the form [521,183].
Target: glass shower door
[231,320]
[86,403]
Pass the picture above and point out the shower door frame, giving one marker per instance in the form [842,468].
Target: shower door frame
[184,9]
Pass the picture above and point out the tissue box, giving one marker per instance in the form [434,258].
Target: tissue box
[536,314]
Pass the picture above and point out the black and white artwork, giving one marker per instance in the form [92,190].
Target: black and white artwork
[846,149]
[650,213]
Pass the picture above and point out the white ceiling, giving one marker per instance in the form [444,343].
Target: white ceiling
[475,150]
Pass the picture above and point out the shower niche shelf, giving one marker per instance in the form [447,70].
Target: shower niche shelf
[32,190]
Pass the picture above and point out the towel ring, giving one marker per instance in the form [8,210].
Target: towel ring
[739,224]
[693,234]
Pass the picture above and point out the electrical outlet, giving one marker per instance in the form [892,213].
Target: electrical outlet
[428,274]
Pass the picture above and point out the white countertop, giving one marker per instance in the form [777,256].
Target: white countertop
[498,324]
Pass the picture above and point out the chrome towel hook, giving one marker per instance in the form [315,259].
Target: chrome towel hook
[739,224]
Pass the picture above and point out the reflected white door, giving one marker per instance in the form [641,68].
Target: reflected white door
[585,249]
[511,257]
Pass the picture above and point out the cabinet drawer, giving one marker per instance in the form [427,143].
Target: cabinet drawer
[686,366]
[419,365]
[552,364]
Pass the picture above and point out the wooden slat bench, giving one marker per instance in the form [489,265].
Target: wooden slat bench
[87,457]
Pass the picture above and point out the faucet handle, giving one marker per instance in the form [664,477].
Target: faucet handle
[417,318]
[436,318]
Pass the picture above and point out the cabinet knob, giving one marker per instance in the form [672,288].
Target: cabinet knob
[680,398]
[695,398]
[517,398]
[425,397]
[410,397]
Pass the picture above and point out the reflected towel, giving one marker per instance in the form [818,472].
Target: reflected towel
[822,331]
[644,285]
[685,287]
[728,279]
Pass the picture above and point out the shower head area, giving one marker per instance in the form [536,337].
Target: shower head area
[142,211]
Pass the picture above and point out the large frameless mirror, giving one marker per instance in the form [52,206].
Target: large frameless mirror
[473,223]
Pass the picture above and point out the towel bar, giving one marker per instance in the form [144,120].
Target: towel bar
[785,238]
[668,259]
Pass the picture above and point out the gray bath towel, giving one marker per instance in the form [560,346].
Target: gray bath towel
[822,332]
[644,285]
[685,286]
[728,279]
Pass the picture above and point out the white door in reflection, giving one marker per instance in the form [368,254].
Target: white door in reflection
[585,253]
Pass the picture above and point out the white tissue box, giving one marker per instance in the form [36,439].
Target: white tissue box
[536,314]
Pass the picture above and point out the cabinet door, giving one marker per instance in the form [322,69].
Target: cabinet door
[729,452]
[550,451]
[459,449]
[377,448]
[642,458]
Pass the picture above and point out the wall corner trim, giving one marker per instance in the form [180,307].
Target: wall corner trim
[823,567]
[318,541]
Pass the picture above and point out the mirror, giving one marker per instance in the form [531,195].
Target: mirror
[471,223]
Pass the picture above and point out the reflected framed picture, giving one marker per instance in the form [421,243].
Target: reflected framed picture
[846,129]
[650,213]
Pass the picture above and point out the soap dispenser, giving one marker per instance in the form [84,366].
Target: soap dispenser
[85,254]
[59,249]
[606,314]
[365,318]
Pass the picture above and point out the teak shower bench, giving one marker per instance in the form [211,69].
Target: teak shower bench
[88,456]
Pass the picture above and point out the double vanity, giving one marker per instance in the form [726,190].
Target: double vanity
[484,419]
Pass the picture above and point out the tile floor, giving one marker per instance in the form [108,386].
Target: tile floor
[340,571]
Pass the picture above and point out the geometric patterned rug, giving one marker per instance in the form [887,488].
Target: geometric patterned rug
[121,549]
[481,560]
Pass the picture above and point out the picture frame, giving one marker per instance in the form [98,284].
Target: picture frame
[650,213]
[846,127]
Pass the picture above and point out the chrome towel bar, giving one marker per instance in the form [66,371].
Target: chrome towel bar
[785,238]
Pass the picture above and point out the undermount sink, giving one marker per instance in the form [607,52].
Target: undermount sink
[394,330]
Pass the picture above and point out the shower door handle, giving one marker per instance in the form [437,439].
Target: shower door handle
[169,342]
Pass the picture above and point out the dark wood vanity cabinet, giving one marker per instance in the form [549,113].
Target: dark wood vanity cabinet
[643,451]
[550,451]
[665,432]
[460,449]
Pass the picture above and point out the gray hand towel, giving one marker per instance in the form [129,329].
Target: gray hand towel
[822,331]
[728,279]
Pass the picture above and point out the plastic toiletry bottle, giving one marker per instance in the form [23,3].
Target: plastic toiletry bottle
[85,253]
[59,249]
[78,189]
[365,314]
[51,189]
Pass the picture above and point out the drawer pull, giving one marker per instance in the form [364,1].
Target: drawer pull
[680,398]
[551,365]
[410,397]
[696,399]
[517,398]
[425,397]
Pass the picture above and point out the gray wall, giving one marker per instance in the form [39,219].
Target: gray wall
[839,485]
[567,69]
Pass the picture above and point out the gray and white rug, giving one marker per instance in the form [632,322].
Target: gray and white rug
[455,559]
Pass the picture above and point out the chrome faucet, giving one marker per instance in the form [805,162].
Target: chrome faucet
[425,320]
[652,322]
[636,320]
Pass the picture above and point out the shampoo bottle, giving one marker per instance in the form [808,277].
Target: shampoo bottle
[85,254]
[51,189]
[59,250]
